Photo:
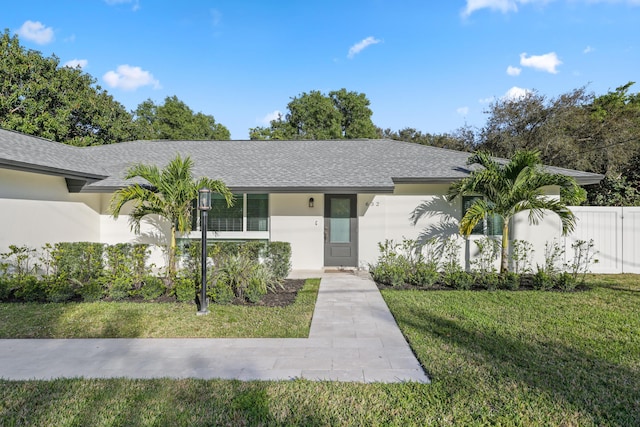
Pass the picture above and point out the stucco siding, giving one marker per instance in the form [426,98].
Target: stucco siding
[293,221]
[37,209]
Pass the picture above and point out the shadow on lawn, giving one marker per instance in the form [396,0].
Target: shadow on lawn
[610,393]
[150,402]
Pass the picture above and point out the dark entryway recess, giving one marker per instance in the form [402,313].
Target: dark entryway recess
[340,230]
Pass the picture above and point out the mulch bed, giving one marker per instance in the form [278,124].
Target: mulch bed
[282,297]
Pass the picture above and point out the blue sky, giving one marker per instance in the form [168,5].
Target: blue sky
[431,65]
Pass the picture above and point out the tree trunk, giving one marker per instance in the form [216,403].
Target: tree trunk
[504,256]
[172,253]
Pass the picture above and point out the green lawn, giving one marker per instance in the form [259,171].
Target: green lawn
[151,320]
[495,358]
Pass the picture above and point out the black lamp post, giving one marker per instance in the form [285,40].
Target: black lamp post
[204,204]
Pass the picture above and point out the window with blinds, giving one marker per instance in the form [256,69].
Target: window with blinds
[252,207]
[490,226]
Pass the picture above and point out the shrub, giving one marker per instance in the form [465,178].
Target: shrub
[20,261]
[566,281]
[392,267]
[82,261]
[542,280]
[185,289]
[92,291]
[152,288]
[509,280]
[279,259]
[29,288]
[119,288]
[521,256]
[220,292]
[5,288]
[459,279]
[489,281]
[583,257]
[423,274]
[59,288]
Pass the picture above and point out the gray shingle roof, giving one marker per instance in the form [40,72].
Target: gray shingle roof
[266,166]
[25,152]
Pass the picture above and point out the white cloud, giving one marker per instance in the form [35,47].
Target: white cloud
[74,63]
[358,47]
[135,3]
[36,32]
[488,100]
[503,6]
[463,111]
[216,17]
[127,77]
[589,49]
[266,120]
[547,62]
[513,71]
[506,6]
[516,93]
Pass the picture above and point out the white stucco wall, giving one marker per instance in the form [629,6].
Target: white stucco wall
[36,209]
[293,221]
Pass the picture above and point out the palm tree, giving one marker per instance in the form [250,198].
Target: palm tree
[169,194]
[510,188]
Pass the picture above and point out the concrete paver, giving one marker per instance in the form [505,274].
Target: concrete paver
[353,337]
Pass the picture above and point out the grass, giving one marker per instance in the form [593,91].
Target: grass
[151,320]
[495,358]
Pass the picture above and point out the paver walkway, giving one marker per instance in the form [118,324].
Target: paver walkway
[353,337]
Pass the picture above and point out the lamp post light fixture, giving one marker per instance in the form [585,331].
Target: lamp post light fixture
[204,204]
[311,202]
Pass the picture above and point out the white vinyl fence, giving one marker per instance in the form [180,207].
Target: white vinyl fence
[615,232]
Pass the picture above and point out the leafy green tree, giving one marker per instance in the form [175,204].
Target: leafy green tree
[510,188]
[168,193]
[38,97]
[338,115]
[174,120]
[463,139]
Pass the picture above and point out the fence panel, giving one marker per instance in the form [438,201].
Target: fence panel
[616,236]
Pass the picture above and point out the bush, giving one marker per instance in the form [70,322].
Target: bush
[30,289]
[185,289]
[59,288]
[5,288]
[92,291]
[220,292]
[279,259]
[510,281]
[488,281]
[542,280]
[389,273]
[423,274]
[119,288]
[259,283]
[566,281]
[81,261]
[460,280]
[152,288]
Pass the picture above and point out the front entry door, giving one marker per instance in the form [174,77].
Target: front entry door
[340,230]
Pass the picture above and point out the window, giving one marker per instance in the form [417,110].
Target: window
[257,212]
[250,212]
[490,226]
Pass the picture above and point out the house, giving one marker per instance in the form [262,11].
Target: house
[332,200]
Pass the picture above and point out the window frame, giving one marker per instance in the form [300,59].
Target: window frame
[245,233]
[481,229]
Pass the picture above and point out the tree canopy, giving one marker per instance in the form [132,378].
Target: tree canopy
[339,115]
[38,97]
[576,130]
[176,121]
